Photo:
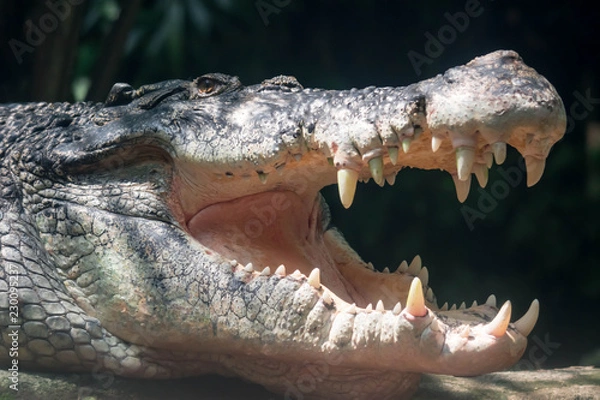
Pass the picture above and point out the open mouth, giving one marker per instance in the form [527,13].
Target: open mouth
[282,232]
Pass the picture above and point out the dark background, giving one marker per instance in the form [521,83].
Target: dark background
[541,242]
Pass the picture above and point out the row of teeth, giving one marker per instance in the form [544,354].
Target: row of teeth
[415,301]
[465,166]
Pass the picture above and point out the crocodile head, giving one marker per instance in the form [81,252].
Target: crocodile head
[186,217]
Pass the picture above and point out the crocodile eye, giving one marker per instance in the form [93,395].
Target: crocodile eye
[206,85]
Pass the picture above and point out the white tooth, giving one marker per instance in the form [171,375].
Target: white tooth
[462,188]
[436,325]
[499,150]
[406,144]
[379,306]
[424,276]
[415,266]
[386,270]
[376,167]
[474,304]
[347,179]
[263,177]
[314,279]
[280,270]
[453,307]
[526,323]
[436,142]
[297,274]
[371,266]
[393,153]
[465,157]
[415,302]
[397,308]
[444,307]
[462,306]
[535,169]
[497,327]
[466,331]
[489,159]
[403,267]
[481,172]
[351,309]
[429,294]
[266,271]
[249,267]
[369,307]
[327,297]
[391,179]
[491,300]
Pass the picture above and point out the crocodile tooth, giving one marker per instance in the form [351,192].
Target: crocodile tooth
[297,274]
[386,270]
[526,323]
[391,179]
[497,327]
[465,332]
[489,159]
[347,179]
[436,142]
[415,266]
[474,304]
[481,172]
[535,169]
[465,157]
[263,177]
[406,144]
[280,270]
[249,267]
[393,153]
[397,308]
[424,276]
[429,294]
[499,150]
[351,309]
[379,306]
[462,306]
[369,307]
[314,279]
[403,267]
[462,188]
[435,325]
[491,300]
[415,302]
[327,297]
[376,167]
[266,271]
[444,307]
[453,308]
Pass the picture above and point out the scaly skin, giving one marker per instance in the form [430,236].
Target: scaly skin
[136,234]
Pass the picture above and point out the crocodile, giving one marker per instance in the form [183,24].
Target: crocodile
[178,229]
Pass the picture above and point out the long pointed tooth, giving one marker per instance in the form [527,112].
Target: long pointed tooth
[535,169]
[393,153]
[376,167]
[489,159]
[379,306]
[391,179]
[314,279]
[406,144]
[415,266]
[491,300]
[397,308]
[424,276]
[347,179]
[436,142]
[481,172]
[249,267]
[280,270]
[415,302]
[462,188]
[263,177]
[526,323]
[497,327]
[444,307]
[465,157]
[369,307]
[266,271]
[499,150]
[351,309]
[403,267]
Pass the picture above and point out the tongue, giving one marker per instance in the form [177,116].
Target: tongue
[269,229]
